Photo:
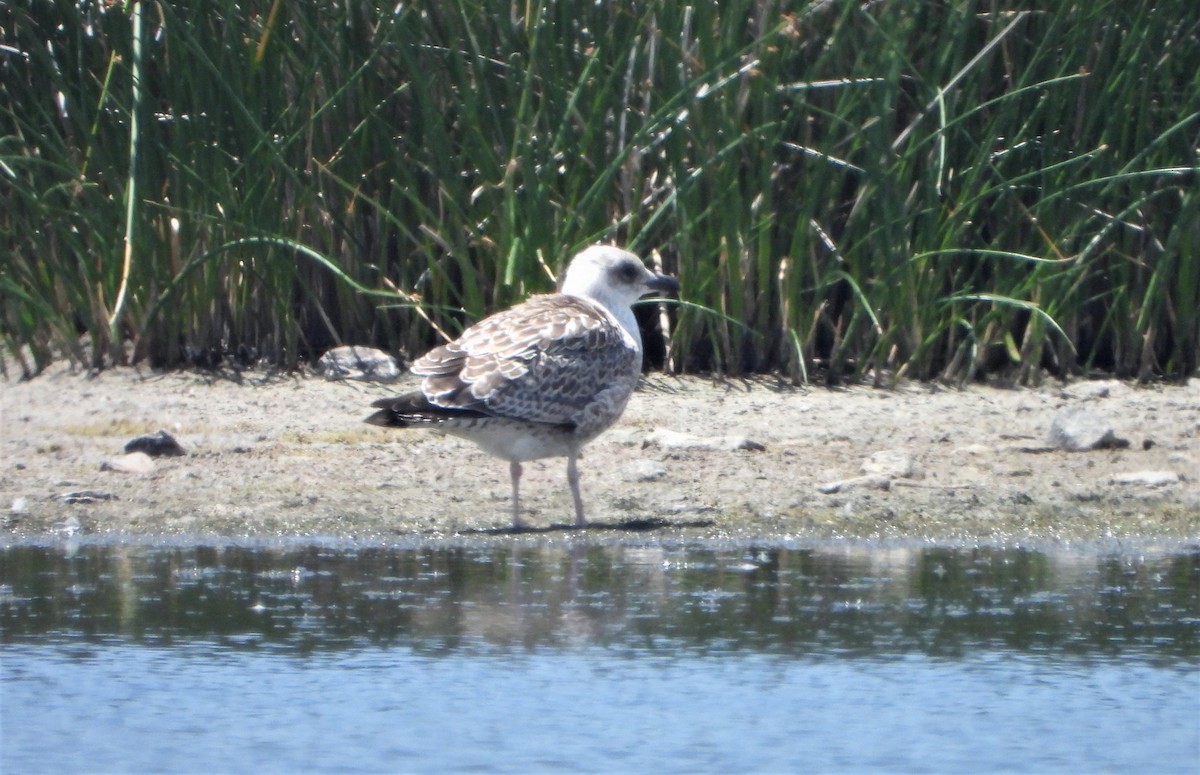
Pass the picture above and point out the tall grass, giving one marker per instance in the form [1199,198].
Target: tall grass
[948,190]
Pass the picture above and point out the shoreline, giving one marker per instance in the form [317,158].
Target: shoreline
[287,458]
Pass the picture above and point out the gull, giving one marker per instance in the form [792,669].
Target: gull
[540,379]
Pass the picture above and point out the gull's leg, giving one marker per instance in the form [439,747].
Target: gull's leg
[573,481]
[514,470]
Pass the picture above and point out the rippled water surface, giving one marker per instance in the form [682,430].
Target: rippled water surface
[519,656]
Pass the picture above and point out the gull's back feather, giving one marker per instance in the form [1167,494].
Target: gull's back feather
[546,360]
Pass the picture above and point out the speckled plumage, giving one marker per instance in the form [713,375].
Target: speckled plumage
[556,359]
[540,379]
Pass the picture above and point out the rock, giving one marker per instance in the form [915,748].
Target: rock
[643,471]
[880,469]
[1077,430]
[68,527]
[1096,389]
[160,444]
[364,363]
[1147,478]
[869,482]
[133,463]
[891,463]
[741,442]
[668,439]
[86,496]
[20,505]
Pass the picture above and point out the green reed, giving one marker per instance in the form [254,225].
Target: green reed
[949,190]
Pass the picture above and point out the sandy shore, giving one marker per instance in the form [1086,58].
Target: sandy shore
[271,456]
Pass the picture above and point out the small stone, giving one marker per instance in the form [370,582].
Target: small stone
[869,482]
[133,463]
[20,505]
[643,471]
[1077,430]
[68,527]
[86,496]
[1147,478]
[1095,390]
[668,439]
[893,464]
[160,444]
[363,363]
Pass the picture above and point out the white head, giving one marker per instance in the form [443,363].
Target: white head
[613,278]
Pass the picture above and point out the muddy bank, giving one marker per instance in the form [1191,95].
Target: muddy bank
[270,456]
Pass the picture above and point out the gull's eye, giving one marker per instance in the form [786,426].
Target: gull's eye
[629,272]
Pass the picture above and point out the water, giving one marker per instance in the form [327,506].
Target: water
[520,656]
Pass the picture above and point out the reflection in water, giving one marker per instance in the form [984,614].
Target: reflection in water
[851,602]
[513,656]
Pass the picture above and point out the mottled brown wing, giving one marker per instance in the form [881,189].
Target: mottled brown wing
[545,360]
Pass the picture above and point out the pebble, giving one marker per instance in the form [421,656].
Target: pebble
[363,363]
[1096,389]
[68,527]
[879,470]
[86,496]
[643,471]
[1078,430]
[868,482]
[668,439]
[891,463]
[1147,478]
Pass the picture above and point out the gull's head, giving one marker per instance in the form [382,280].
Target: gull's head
[613,277]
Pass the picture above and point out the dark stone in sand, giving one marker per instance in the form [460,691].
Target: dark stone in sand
[161,444]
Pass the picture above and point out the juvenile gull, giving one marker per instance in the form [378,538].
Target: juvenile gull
[543,378]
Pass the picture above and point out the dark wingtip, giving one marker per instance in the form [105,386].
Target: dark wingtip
[413,409]
[384,417]
[392,411]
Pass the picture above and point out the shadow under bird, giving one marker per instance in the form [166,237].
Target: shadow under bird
[543,378]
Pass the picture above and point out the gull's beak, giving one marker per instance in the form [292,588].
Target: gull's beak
[663,284]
